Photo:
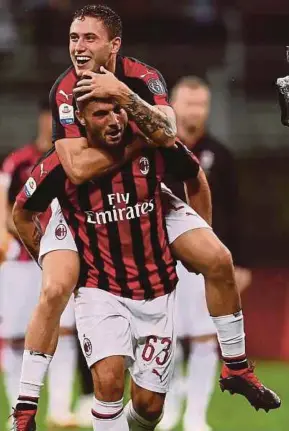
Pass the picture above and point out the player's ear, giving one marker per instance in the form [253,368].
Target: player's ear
[116,44]
[80,117]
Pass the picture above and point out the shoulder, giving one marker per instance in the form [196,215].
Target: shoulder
[64,85]
[134,69]
[138,69]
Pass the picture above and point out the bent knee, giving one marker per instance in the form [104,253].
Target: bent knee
[110,387]
[56,293]
[108,378]
[221,263]
[149,405]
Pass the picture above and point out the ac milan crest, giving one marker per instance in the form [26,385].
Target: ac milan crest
[87,347]
[61,231]
[144,165]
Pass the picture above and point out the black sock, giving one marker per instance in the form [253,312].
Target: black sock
[238,363]
[26,403]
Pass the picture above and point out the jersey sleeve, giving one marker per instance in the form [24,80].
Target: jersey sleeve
[46,182]
[146,81]
[157,87]
[63,107]
[180,163]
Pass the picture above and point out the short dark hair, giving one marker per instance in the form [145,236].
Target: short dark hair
[110,19]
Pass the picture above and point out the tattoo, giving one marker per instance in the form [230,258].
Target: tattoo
[149,119]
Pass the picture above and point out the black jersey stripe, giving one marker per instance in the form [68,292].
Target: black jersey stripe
[114,242]
[136,230]
[85,205]
[75,227]
[157,249]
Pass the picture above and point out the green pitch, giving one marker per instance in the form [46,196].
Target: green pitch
[227,413]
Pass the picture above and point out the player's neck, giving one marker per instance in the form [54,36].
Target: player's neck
[115,151]
[111,64]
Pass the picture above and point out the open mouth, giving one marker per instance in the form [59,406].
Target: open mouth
[115,134]
[81,60]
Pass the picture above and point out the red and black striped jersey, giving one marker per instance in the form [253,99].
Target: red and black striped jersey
[144,80]
[117,223]
[17,168]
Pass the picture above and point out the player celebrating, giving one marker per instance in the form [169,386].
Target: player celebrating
[20,278]
[125,303]
[95,39]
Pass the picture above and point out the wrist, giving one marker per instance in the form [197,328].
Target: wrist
[124,94]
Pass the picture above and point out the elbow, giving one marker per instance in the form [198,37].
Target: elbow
[165,140]
[169,142]
[77,176]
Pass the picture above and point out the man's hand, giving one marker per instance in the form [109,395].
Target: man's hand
[101,85]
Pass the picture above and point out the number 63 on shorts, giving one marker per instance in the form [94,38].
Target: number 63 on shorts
[153,364]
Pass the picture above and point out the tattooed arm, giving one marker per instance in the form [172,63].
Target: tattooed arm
[158,123]
[28,230]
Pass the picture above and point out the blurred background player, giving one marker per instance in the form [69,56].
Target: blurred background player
[191,101]
[20,282]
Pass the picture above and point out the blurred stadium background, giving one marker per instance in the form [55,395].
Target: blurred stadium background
[239,47]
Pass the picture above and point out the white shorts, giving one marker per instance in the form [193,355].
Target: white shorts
[141,331]
[179,216]
[20,284]
[192,316]
[57,234]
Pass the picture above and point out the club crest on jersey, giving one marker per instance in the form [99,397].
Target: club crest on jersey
[30,187]
[156,87]
[87,347]
[61,231]
[144,165]
[66,114]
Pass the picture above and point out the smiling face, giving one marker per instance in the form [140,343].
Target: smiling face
[90,45]
[104,120]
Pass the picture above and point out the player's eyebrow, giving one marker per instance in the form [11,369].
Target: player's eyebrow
[84,34]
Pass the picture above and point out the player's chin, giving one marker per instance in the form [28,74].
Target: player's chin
[114,138]
[80,68]
[113,141]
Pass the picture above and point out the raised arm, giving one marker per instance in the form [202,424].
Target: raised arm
[80,162]
[158,123]
[156,119]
